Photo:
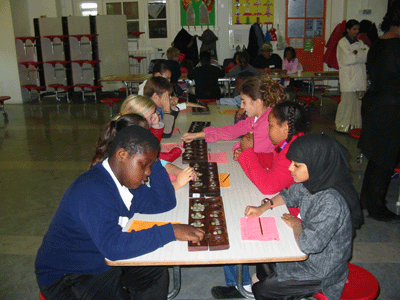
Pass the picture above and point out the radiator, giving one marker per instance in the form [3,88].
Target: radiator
[142,66]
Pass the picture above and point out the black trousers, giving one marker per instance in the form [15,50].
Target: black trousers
[119,283]
[374,189]
[270,288]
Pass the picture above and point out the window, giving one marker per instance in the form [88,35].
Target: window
[130,10]
[157,16]
[87,8]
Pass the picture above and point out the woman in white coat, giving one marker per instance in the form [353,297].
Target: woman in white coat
[351,56]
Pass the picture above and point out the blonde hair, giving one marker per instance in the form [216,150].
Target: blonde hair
[173,53]
[135,104]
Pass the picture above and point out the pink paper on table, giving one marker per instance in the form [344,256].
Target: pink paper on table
[170,146]
[219,157]
[250,229]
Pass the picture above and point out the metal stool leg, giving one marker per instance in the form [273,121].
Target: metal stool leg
[239,282]
[176,272]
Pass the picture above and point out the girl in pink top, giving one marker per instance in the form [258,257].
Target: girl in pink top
[258,96]
[290,63]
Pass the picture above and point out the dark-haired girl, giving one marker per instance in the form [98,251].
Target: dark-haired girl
[290,62]
[269,171]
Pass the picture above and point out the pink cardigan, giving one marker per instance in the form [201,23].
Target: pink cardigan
[292,66]
[262,143]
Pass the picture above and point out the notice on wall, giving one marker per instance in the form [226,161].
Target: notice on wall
[252,11]
[308,45]
[296,43]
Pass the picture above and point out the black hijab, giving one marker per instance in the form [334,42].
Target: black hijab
[327,164]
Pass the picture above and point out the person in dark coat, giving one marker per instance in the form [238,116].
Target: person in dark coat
[380,135]
[206,78]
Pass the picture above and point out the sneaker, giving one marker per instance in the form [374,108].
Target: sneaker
[226,292]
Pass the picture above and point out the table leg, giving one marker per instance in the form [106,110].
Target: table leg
[127,88]
[176,274]
[239,282]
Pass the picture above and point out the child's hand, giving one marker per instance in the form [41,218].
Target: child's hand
[291,220]
[247,141]
[187,233]
[190,104]
[188,137]
[173,101]
[184,176]
[236,153]
[253,211]
[154,120]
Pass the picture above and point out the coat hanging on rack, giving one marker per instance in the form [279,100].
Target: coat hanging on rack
[256,39]
[187,44]
[209,42]
[272,33]
[330,54]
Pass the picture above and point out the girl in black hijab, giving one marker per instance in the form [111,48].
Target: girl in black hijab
[329,210]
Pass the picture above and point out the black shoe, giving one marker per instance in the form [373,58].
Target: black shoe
[226,292]
[388,216]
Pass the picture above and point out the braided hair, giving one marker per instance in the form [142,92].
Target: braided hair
[292,113]
[110,131]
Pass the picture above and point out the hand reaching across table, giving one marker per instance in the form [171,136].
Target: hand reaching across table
[185,232]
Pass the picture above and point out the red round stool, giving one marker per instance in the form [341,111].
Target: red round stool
[207,100]
[336,98]
[41,297]
[31,88]
[111,102]
[308,100]
[360,285]
[356,133]
[2,99]
[65,88]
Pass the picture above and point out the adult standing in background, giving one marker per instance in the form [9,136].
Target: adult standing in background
[380,136]
[351,56]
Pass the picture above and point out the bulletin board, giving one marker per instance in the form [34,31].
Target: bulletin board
[252,11]
[197,12]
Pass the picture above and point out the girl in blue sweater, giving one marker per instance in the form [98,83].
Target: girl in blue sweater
[87,227]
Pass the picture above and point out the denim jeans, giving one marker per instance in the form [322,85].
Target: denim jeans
[230,275]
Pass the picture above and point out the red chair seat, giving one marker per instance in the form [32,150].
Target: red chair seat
[4,98]
[110,101]
[355,133]
[60,86]
[207,100]
[138,58]
[33,87]
[360,285]
[307,98]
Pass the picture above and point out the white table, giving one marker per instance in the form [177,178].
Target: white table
[235,198]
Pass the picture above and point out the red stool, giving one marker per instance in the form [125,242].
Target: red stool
[2,99]
[111,102]
[308,100]
[207,100]
[93,88]
[41,297]
[65,88]
[36,88]
[360,285]
[356,133]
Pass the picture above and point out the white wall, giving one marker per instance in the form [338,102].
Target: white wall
[378,9]
[9,78]
[20,17]
[38,8]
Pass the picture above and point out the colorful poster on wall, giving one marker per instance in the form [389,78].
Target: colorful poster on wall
[197,12]
[252,11]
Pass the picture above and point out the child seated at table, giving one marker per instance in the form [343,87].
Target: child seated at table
[206,78]
[259,95]
[268,171]
[87,227]
[291,65]
[161,68]
[178,176]
[243,65]
[159,90]
[329,209]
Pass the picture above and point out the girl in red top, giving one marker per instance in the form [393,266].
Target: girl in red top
[269,171]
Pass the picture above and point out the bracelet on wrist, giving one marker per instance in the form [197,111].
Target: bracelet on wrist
[266,200]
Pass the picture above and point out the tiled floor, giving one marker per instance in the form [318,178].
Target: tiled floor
[45,147]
